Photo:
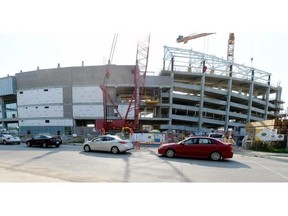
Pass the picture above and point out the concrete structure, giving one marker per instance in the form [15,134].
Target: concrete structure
[8,104]
[63,98]
[211,93]
[194,92]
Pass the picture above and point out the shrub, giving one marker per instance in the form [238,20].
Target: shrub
[273,146]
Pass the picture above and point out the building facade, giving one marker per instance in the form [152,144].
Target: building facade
[8,103]
[194,92]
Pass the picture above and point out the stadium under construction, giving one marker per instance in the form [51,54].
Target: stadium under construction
[194,92]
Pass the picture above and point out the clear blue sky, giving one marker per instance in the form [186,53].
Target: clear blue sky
[45,33]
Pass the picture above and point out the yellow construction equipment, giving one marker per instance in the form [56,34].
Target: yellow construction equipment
[230,48]
[190,37]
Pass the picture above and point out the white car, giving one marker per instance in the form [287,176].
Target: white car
[9,139]
[218,136]
[109,143]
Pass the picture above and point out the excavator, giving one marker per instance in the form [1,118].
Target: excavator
[190,37]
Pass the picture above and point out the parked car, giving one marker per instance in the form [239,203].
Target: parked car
[109,143]
[198,147]
[9,139]
[218,136]
[44,141]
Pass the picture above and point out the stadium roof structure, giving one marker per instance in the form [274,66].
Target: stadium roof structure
[178,59]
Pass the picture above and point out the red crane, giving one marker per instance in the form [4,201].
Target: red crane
[139,72]
[106,95]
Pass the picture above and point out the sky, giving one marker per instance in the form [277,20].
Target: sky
[36,33]
[44,33]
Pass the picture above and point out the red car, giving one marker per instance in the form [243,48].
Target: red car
[198,147]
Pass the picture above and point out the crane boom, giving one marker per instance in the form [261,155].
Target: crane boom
[230,48]
[230,52]
[139,72]
[106,95]
[190,37]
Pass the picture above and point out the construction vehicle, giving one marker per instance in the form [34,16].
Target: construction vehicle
[185,40]
[122,124]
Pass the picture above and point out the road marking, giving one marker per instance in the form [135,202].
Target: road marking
[271,170]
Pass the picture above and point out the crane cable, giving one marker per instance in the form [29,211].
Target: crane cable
[113,48]
[107,73]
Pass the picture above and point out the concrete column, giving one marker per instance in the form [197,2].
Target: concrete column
[2,107]
[171,100]
[202,91]
[3,113]
[251,95]
[251,89]
[266,102]
[228,101]
[278,99]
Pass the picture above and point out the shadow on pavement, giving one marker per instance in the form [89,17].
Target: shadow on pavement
[227,163]
[102,154]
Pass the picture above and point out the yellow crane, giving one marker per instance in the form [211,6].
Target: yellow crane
[230,52]
[190,37]
[230,48]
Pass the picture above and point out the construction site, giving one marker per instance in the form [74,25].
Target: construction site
[195,93]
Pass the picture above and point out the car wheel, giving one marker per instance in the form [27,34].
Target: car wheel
[87,148]
[215,156]
[4,142]
[18,143]
[44,145]
[57,146]
[28,144]
[114,150]
[170,153]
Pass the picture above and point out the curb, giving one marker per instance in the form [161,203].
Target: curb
[239,150]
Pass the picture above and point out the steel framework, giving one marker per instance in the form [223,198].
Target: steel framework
[139,71]
[178,59]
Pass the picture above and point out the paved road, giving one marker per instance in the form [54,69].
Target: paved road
[19,163]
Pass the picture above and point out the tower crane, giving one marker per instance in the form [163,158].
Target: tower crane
[185,39]
[230,51]
[230,48]
[191,37]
